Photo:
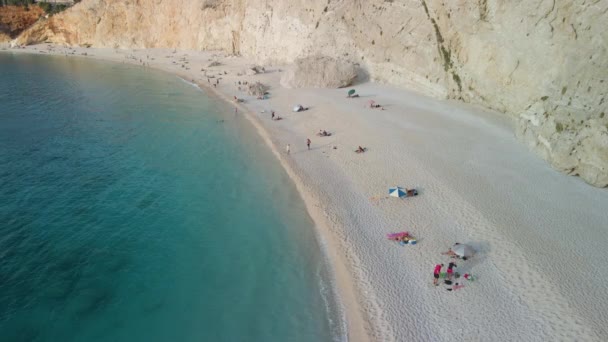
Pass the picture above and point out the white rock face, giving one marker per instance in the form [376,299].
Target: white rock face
[319,72]
[543,62]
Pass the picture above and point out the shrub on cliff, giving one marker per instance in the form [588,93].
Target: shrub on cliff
[47,7]
[16,2]
[50,8]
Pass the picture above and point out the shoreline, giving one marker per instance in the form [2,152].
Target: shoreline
[464,162]
[347,296]
[348,299]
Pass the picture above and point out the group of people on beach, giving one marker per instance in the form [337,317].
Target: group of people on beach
[216,83]
[449,274]
[275,117]
[321,133]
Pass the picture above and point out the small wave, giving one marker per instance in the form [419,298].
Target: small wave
[190,83]
[330,296]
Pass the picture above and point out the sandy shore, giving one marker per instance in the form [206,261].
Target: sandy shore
[541,235]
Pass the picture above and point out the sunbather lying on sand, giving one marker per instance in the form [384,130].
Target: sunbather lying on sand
[361,149]
[323,133]
[405,239]
[453,255]
[299,108]
[450,253]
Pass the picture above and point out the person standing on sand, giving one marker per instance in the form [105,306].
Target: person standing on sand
[436,273]
[450,270]
[308,143]
[288,149]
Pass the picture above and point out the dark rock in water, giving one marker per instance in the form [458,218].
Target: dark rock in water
[69,263]
[59,291]
[147,201]
[93,300]
[23,334]
[149,308]
[109,263]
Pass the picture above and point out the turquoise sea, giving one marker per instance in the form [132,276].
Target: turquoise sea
[133,207]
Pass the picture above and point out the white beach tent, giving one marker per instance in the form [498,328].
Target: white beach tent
[397,192]
[462,250]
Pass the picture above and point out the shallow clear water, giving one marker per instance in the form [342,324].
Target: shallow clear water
[129,213]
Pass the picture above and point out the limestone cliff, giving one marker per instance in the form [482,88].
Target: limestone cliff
[544,62]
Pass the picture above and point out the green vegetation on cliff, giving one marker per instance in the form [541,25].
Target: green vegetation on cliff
[16,2]
[49,8]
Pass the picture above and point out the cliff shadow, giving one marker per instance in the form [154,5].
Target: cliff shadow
[362,76]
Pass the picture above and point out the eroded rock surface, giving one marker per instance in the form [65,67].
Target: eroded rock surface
[543,62]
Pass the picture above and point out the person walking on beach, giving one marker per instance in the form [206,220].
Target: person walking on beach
[288,149]
[436,274]
[272,115]
[308,143]
[450,270]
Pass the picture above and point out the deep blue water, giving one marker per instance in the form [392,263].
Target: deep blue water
[130,212]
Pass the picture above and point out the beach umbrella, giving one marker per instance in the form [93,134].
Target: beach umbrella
[297,108]
[351,92]
[397,192]
[371,103]
[462,250]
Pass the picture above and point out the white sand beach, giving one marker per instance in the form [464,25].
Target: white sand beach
[542,262]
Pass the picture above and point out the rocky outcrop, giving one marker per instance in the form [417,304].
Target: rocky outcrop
[257,89]
[213,64]
[543,62]
[319,72]
[254,70]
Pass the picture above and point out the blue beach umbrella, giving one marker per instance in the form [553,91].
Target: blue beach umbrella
[397,192]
